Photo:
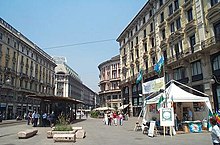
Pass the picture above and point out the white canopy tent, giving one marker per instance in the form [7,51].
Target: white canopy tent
[103,109]
[175,94]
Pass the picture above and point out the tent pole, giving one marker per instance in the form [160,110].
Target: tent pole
[190,88]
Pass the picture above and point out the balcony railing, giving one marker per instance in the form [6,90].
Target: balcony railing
[210,41]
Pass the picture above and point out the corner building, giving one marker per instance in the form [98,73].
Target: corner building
[25,69]
[110,93]
[186,33]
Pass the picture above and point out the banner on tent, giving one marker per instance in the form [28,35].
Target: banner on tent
[166,117]
[153,86]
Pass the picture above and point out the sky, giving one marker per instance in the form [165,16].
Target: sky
[53,23]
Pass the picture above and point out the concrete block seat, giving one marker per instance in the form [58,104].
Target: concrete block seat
[27,133]
[64,137]
[77,127]
[51,133]
[80,134]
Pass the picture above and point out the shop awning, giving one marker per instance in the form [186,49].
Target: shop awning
[123,107]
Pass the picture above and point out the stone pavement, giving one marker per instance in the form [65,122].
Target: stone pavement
[100,134]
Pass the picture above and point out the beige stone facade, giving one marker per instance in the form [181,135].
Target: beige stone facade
[186,33]
[110,93]
[24,69]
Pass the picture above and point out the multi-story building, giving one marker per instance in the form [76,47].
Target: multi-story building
[67,81]
[24,69]
[186,33]
[89,98]
[69,84]
[110,94]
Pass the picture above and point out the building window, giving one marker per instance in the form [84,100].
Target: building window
[136,28]
[145,33]
[154,60]
[114,96]
[152,42]
[176,4]
[145,47]
[137,40]
[213,2]
[218,95]
[1,36]
[8,40]
[134,89]
[217,32]
[161,17]
[179,73]
[216,63]
[189,15]
[172,28]
[132,45]
[192,40]
[163,34]
[160,2]
[196,68]
[178,23]
[170,9]
[146,65]
[137,53]
[151,27]
[150,13]
[144,20]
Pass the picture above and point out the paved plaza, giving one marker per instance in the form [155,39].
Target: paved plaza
[100,134]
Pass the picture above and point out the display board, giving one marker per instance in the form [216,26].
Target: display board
[166,117]
[151,129]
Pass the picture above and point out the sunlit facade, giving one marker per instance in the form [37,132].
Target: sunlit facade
[186,33]
[25,69]
[110,93]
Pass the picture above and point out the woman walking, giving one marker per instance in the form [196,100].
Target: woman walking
[215,134]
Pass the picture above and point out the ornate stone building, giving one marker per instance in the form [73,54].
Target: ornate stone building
[110,94]
[186,33]
[24,69]
[69,84]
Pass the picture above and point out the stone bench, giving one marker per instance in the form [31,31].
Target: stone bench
[51,133]
[77,128]
[64,137]
[80,134]
[27,133]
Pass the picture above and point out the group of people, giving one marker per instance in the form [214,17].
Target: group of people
[47,119]
[113,118]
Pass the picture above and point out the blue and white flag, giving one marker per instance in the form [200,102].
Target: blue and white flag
[139,77]
[158,66]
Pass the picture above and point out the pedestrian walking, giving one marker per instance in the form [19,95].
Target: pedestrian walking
[44,121]
[120,118]
[29,116]
[215,134]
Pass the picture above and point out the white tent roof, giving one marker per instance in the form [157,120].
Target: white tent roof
[176,94]
[103,108]
[123,107]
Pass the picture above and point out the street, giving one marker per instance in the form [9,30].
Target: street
[99,134]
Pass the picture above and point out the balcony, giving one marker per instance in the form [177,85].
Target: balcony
[188,4]
[210,42]
[190,26]
[174,15]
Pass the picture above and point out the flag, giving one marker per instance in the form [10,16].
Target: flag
[159,102]
[139,77]
[159,64]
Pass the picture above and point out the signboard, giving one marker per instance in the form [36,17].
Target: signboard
[153,86]
[151,129]
[166,117]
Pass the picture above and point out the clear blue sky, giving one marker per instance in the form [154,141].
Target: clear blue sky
[51,23]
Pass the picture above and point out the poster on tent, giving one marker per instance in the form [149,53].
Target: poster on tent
[153,86]
[166,117]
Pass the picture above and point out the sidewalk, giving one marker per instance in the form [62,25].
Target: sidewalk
[99,134]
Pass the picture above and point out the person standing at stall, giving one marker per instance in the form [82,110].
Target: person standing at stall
[215,134]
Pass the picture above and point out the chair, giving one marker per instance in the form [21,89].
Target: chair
[137,126]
